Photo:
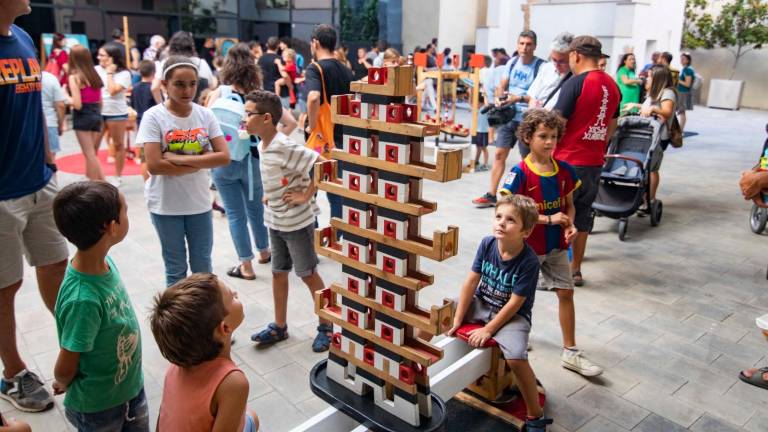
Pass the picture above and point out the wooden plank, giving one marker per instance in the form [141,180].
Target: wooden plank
[411,129]
[399,83]
[443,245]
[414,350]
[442,171]
[410,388]
[490,409]
[413,208]
[412,281]
[409,317]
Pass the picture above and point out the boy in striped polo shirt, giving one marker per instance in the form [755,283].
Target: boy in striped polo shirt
[289,213]
[550,183]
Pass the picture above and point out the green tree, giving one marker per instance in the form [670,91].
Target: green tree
[348,28]
[741,26]
[369,29]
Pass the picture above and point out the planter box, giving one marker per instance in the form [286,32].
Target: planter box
[725,94]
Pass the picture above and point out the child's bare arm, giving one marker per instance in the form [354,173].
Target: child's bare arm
[465,299]
[570,230]
[156,165]
[65,370]
[230,401]
[218,157]
[480,336]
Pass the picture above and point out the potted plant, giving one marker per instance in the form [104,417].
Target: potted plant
[741,26]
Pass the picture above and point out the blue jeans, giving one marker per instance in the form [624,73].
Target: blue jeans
[132,416]
[176,232]
[232,183]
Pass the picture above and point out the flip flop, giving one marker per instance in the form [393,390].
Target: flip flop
[578,280]
[756,379]
[237,272]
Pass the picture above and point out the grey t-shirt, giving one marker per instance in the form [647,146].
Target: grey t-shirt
[666,94]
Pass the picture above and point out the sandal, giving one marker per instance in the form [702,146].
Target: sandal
[323,339]
[237,272]
[756,379]
[266,260]
[578,280]
[273,333]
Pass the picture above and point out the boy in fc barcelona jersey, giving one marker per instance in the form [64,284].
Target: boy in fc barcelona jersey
[550,183]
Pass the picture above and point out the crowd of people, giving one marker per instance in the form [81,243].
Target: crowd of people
[227,120]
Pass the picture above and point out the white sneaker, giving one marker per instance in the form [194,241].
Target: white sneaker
[579,364]
[115,181]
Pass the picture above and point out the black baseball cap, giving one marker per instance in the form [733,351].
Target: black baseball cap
[589,46]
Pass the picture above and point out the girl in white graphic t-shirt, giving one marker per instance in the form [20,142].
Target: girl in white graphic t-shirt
[181,140]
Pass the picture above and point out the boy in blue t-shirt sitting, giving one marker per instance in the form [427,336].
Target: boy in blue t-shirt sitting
[550,183]
[499,293]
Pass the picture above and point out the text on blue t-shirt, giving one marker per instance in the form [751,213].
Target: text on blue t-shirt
[500,279]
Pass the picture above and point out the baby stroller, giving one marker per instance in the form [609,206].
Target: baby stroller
[758,216]
[625,178]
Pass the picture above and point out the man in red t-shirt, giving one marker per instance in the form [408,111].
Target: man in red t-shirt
[589,100]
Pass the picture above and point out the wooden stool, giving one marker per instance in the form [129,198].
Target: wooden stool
[499,376]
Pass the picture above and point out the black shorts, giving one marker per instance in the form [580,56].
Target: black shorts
[87,118]
[481,139]
[585,195]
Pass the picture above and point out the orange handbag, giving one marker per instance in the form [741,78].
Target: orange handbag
[321,138]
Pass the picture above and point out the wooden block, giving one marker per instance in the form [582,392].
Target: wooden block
[414,208]
[390,295]
[417,129]
[377,75]
[403,405]
[399,82]
[395,113]
[355,363]
[412,349]
[357,145]
[395,153]
[343,105]
[391,260]
[357,178]
[389,329]
[356,281]
[392,224]
[355,216]
[355,109]
[345,376]
[415,317]
[394,187]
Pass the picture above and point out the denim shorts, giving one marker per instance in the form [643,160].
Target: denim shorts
[512,337]
[110,118]
[131,416]
[53,139]
[505,135]
[87,118]
[294,249]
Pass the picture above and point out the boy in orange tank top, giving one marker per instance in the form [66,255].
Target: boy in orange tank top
[204,390]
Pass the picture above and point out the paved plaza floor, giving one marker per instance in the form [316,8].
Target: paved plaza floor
[670,313]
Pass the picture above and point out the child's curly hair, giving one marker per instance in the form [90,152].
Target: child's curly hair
[533,118]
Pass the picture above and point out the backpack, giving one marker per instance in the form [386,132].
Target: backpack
[698,81]
[229,111]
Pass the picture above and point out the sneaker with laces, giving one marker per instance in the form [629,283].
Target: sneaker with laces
[26,392]
[484,201]
[579,364]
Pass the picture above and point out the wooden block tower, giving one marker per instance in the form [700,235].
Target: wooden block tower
[376,357]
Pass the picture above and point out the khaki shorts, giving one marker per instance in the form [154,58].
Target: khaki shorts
[512,337]
[27,228]
[555,271]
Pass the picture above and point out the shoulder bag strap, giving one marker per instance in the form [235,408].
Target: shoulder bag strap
[322,81]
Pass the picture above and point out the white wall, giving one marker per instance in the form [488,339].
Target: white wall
[458,21]
[752,69]
[420,23]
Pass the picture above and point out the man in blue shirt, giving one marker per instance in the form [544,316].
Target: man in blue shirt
[517,76]
[27,189]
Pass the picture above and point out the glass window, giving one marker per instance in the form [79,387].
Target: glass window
[209,7]
[312,4]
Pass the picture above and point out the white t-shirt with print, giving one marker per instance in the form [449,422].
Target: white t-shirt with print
[187,194]
[117,104]
[51,93]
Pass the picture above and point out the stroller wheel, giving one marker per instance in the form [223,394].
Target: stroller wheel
[757,219]
[623,229]
[656,210]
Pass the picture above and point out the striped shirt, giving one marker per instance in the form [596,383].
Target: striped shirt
[285,166]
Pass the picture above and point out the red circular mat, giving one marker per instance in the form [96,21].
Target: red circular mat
[75,164]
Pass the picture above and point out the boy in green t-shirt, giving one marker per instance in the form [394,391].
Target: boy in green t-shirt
[99,363]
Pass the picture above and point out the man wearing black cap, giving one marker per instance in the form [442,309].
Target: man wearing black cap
[590,102]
